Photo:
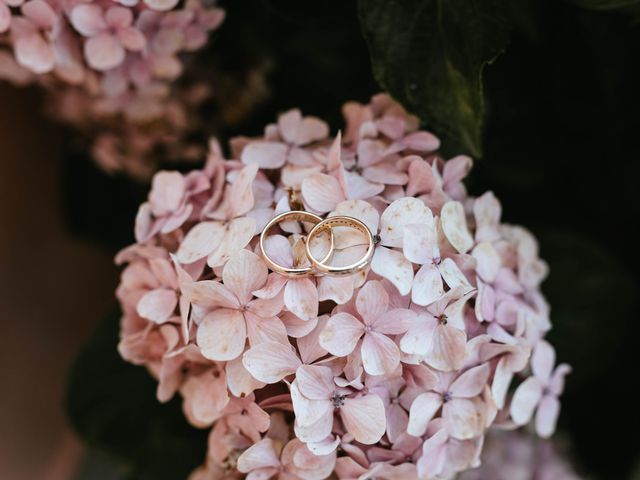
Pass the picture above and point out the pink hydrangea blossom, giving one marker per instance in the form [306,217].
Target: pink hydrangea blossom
[399,371]
[109,69]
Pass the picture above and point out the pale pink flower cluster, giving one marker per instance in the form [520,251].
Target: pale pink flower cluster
[516,455]
[106,61]
[398,371]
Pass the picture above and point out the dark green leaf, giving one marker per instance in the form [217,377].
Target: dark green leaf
[429,54]
[113,406]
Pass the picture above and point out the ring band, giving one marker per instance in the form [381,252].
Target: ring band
[294,215]
[341,221]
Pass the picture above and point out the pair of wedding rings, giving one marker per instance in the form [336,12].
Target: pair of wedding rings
[319,267]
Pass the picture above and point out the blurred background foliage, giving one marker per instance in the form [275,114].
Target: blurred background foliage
[556,118]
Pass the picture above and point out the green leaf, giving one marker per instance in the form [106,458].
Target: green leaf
[113,406]
[429,55]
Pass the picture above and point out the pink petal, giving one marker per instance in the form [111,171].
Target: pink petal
[161,5]
[40,13]
[315,382]
[452,275]
[296,327]
[221,335]
[275,284]
[309,345]
[385,173]
[421,177]
[454,225]
[420,243]
[297,130]
[547,416]
[402,212]
[260,455]
[423,409]
[556,385]
[487,212]
[472,382]
[119,17]
[266,307]
[244,273]
[455,311]
[489,261]
[456,169]
[372,301]
[364,418]
[322,192]
[427,285]
[361,189]
[337,289]
[318,431]
[34,53]
[394,322]
[434,459]
[241,192]
[347,467]
[446,349]
[316,464]
[501,381]
[239,233]
[462,418]
[103,52]
[416,340]
[167,191]
[421,142]
[87,19]
[301,298]
[397,421]
[310,412]
[210,294]
[525,400]
[268,155]
[421,376]
[132,39]
[542,361]
[379,354]
[341,334]
[270,362]
[158,305]
[393,266]
[199,405]
[260,329]
[278,248]
[301,158]
[240,382]
[485,302]
[292,175]
[5,17]
[370,152]
[200,241]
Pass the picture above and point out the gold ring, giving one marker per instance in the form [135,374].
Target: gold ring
[341,221]
[294,215]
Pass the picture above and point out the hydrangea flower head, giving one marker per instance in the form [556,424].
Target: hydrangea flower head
[109,68]
[397,371]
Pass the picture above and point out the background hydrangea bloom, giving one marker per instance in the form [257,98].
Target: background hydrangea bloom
[110,71]
[400,376]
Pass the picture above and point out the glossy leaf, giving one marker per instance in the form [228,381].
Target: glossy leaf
[429,54]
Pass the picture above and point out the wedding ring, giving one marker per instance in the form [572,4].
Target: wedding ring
[340,221]
[295,215]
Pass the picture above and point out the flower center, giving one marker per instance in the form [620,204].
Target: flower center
[446,397]
[337,399]
[442,319]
